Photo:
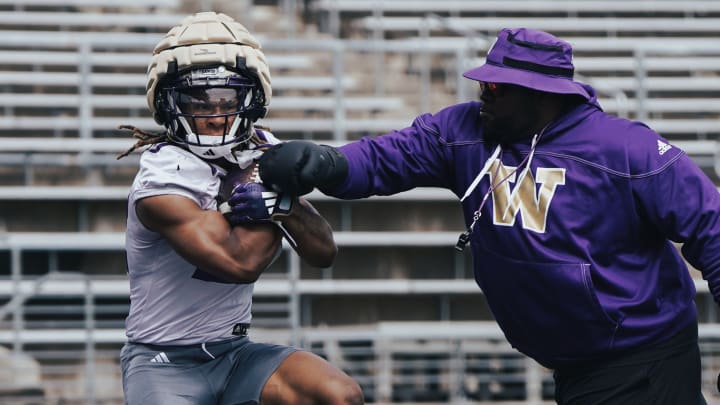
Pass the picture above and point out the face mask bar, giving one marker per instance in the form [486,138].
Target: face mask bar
[212,93]
[191,110]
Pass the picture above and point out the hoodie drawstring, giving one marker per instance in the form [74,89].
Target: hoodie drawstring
[464,238]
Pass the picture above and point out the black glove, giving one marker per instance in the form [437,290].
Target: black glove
[296,167]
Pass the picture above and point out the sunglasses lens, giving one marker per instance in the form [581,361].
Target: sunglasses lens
[489,88]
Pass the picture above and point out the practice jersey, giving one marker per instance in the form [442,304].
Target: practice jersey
[172,301]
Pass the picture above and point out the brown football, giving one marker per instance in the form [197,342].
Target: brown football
[236,176]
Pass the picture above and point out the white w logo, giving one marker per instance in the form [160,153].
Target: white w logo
[531,202]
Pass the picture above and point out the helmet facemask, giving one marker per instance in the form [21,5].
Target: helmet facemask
[211,109]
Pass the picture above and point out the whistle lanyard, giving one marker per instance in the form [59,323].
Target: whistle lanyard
[464,237]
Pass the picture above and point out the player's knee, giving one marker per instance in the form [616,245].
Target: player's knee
[344,391]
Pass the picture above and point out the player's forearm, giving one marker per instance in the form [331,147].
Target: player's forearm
[237,254]
[252,249]
[312,234]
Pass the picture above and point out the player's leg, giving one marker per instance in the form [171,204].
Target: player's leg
[271,374]
[306,379]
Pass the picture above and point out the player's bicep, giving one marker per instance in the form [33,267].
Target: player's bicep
[182,222]
[163,213]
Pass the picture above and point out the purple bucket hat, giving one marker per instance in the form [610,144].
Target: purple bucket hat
[530,58]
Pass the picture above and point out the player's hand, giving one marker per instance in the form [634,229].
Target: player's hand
[297,167]
[254,203]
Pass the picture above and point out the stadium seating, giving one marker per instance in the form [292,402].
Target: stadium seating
[141,4]
[399,310]
[94,152]
[90,20]
[335,14]
[560,25]
[89,80]
[567,7]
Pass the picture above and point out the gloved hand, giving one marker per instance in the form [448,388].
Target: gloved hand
[253,203]
[296,167]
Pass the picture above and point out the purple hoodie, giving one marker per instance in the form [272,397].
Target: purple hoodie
[574,255]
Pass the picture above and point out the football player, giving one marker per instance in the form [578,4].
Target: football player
[192,267]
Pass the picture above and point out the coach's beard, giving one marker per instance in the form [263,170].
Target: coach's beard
[494,132]
[503,131]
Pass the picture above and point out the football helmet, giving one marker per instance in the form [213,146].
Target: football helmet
[208,68]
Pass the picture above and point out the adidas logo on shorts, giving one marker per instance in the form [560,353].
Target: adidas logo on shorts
[160,358]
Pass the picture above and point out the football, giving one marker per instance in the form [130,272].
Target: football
[236,176]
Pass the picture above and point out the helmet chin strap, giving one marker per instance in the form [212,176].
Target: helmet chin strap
[203,145]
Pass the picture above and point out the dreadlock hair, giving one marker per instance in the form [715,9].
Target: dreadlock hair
[143,138]
[147,138]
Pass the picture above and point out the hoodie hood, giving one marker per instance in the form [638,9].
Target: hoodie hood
[574,116]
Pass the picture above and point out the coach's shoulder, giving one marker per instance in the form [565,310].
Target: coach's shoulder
[455,123]
[647,151]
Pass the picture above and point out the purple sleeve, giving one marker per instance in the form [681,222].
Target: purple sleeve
[685,205]
[398,161]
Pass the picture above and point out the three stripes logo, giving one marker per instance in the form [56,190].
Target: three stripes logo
[663,147]
[160,358]
[270,198]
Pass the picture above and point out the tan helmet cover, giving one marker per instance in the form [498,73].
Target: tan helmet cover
[206,38]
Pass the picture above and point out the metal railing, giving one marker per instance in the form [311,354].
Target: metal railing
[15,306]
[462,50]
[461,362]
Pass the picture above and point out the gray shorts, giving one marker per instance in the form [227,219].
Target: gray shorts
[231,372]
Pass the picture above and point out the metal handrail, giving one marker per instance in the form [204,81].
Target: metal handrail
[15,306]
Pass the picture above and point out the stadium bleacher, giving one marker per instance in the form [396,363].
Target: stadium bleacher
[90,20]
[144,5]
[399,310]
[578,25]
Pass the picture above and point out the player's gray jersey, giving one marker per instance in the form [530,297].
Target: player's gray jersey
[173,301]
